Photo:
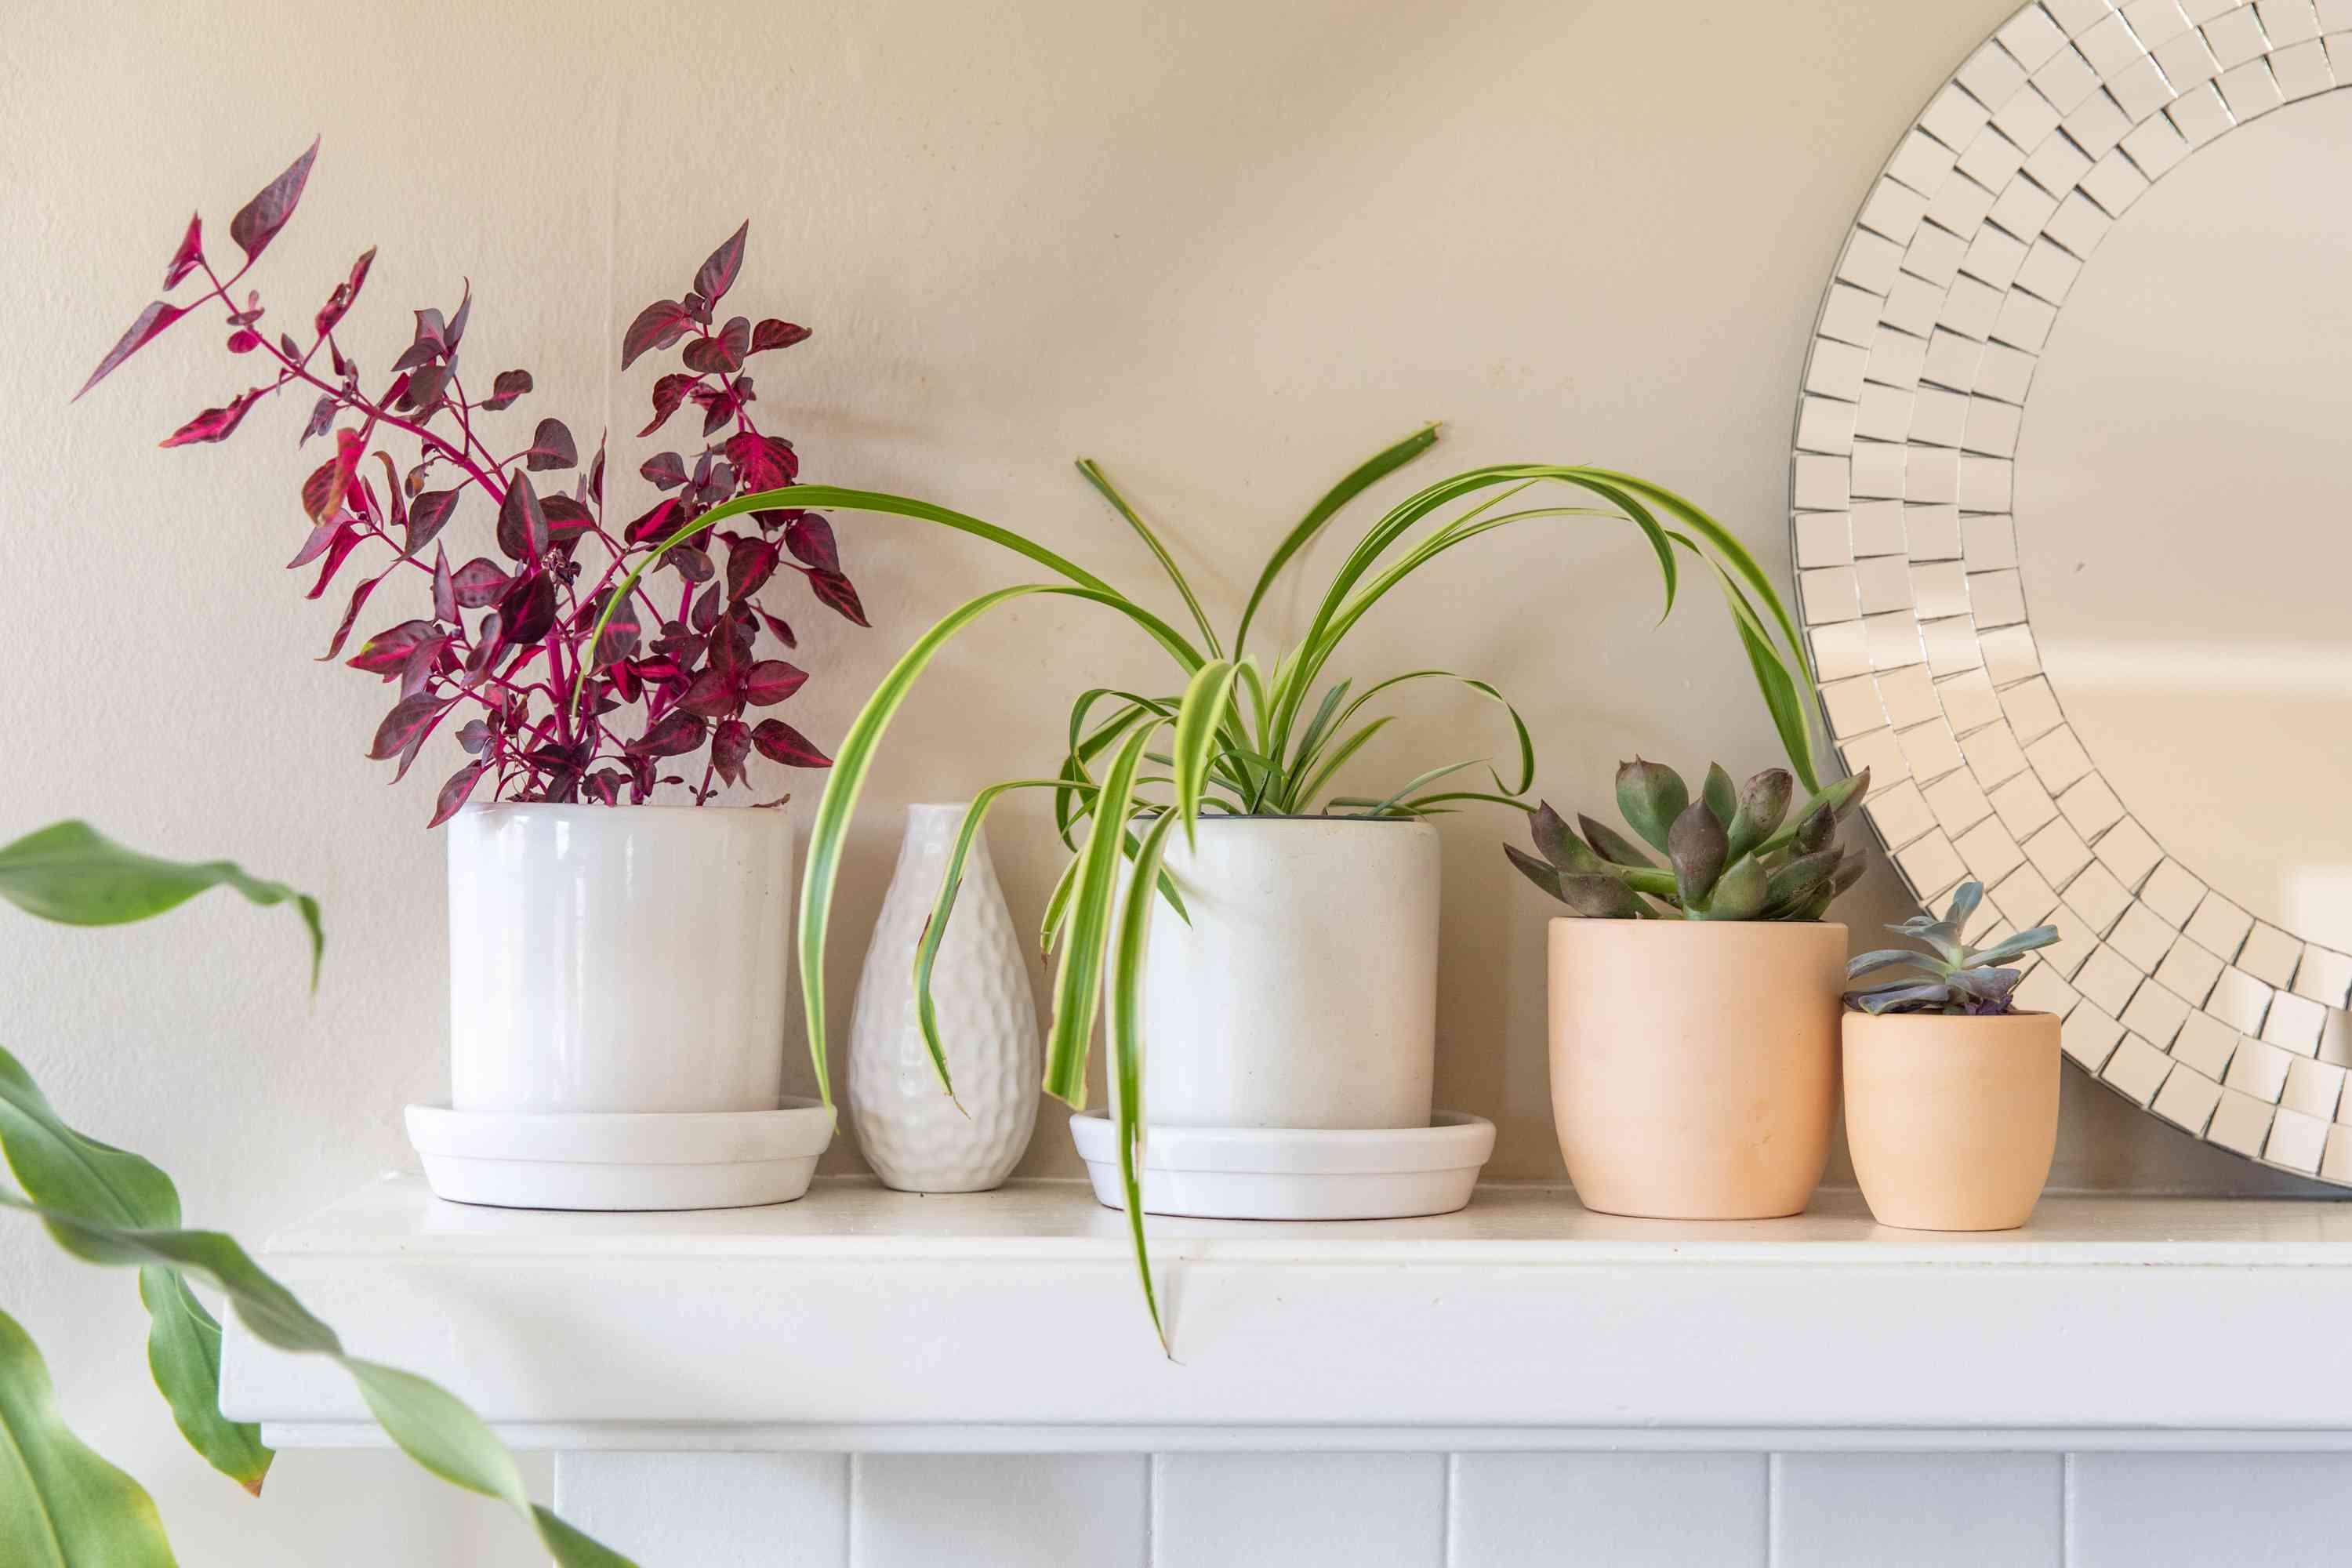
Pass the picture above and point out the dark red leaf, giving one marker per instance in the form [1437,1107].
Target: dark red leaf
[773,333]
[244,341]
[717,407]
[455,793]
[772,680]
[657,326]
[420,353]
[429,516]
[424,662]
[214,424]
[717,275]
[658,524]
[321,537]
[705,614]
[511,384]
[662,470]
[409,718]
[444,586]
[346,538]
[749,564]
[763,462]
[386,653]
[345,293]
[552,447]
[781,629]
[324,491]
[596,475]
[287,346]
[675,734]
[191,254]
[351,611]
[455,331]
[690,562]
[669,393]
[526,608]
[523,522]
[780,742]
[709,697]
[432,331]
[257,222]
[810,539]
[426,386]
[152,320]
[322,417]
[474,736]
[567,520]
[486,647]
[619,638]
[478,583]
[391,488]
[722,353]
[729,747]
[833,590]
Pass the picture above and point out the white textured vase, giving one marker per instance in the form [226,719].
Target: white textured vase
[1303,992]
[618,958]
[911,1132]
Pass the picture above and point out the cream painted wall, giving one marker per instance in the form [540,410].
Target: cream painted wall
[1226,249]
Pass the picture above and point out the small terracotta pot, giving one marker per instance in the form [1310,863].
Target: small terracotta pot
[1952,1122]
[1694,1063]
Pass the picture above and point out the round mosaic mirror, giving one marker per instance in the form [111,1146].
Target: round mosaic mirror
[1941,393]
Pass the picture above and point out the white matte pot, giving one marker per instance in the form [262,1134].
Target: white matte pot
[618,958]
[1303,992]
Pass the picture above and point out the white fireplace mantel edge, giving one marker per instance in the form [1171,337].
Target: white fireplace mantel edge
[864,1320]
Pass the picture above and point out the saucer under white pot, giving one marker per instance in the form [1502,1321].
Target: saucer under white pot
[674,1160]
[1295,1172]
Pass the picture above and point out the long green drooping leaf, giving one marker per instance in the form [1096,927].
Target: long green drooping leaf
[935,928]
[812,496]
[71,873]
[64,1171]
[1078,984]
[1371,471]
[61,1505]
[1125,1031]
[1110,492]
[847,779]
[430,1425]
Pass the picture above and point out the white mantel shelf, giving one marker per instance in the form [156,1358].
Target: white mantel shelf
[863,1320]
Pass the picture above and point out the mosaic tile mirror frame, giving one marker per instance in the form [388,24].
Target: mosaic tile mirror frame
[1917,383]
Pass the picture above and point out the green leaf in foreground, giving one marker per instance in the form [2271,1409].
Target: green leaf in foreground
[86,1183]
[62,1170]
[61,1505]
[431,1425]
[71,873]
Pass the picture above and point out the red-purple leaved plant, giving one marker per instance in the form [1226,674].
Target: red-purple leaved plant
[540,704]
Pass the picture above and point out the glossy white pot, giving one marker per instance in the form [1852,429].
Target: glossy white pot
[1303,992]
[618,958]
[909,1131]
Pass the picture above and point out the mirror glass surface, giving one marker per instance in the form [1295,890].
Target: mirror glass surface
[2183,494]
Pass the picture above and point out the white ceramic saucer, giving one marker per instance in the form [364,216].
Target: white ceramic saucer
[700,1160]
[1276,1172]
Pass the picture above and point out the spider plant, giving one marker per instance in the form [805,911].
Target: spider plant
[1237,731]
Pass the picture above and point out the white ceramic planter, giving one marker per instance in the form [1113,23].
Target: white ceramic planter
[1304,991]
[909,1131]
[617,959]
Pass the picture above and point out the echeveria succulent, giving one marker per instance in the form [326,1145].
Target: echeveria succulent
[1736,853]
[1961,980]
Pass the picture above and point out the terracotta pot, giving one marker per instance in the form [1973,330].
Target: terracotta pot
[1694,1063]
[1952,1122]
